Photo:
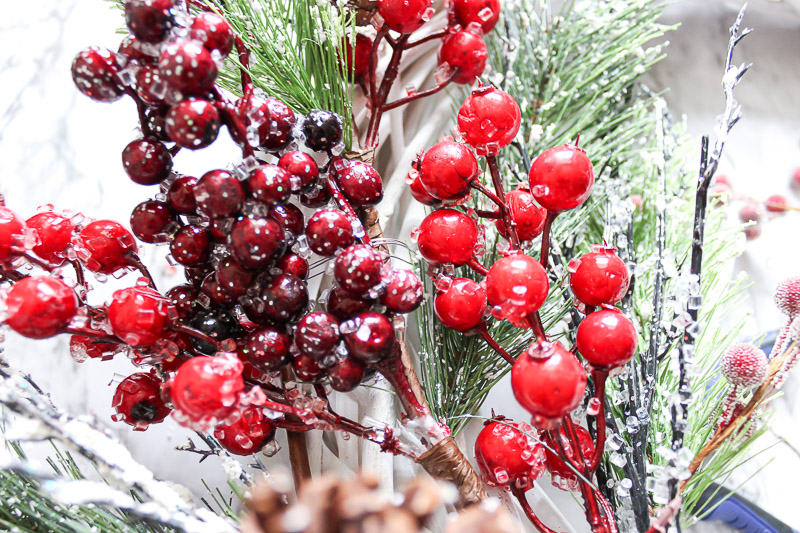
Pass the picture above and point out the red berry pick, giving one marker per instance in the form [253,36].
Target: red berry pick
[447,236]
[561,475]
[206,390]
[104,246]
[139,315]
[561,178]
[461,305]
[489,119]
[507,457]
[248,434]
[40,306]
[137,401]
[516,286]
[447,169]
[54,233]
[599,277]
[607,339]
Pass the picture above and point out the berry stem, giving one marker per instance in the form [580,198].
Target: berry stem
[480,187]
[393,369]
[135,262]
[378,98]
[93,333]
[38,262]
[373,62]
[526,508]
[599,378]
[484,331]
[497,181]
[477,267]
[141,108]
[421,94]
[492,215]
[430,37]
[196,333]
[544,257]
[535,322]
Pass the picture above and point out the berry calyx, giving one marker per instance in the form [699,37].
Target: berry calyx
[599,277]
[139,315]
[369,338]
[147,162]
[607,339]
[360,183]
[151,220]
[219,194]
[528,217]
[507,457]
[187,66]
[137,401]
[104,246]
[447,236]
[317,334]
[323,130]
[268,349]
[516,286]
[404,16]
[489,119]
[329,230]
[358,268]
[94,72]
[149,20]
[561,475]
[561,178]
[54,233]
[38,307]
[193,123]
[404,292]
[466,52]
[213,31]
[248,434]
[461,305]
[12,233]
[447,169]
[206,390]
[744,365]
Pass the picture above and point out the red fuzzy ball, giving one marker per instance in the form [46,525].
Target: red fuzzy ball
[744,365]
[787,296]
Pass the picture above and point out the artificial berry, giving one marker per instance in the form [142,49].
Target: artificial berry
[233,278]
[787,296]
[404,292]
[329,230]
[776,203]
[211,288]
[358,268]
[217,323]
[40,306]
[206,390]
[12,233]
[147,162]
[156,122]
[300,166]
[196,276]
[149,85]
[137,401]
[562,476]
[418,190]
[184,299]
[186,66]
[307,369]
[94,72]
[181,195]
[466,52]
[599,277]
[750,213]
[316,197]
[53,232]
[268,349]
[151,220]
[527,216]
[139,315]
[357,58]
[248,434]
[293,264]
[283,298]
[606,339]
[447,236]
[193,123]
[191,246]
[256,242]
[213,31]
[507,457]
[346,375]
[548,381]
[289,216]
[489,119]
[795,181]
[561,178]
[130,50]
[461,305]
[360,183]
[517,285]
[447,169]
[104,246]
[270,184]
[278,120]
[149,20]
[404,16]
[344,305]
[81,348]
[744,365]
[219,194]
[752,232]
[317,334]
[483,12]
[323,130]
[369,338]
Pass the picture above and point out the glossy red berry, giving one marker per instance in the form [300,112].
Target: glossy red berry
[607,339]
[213,31]
[369,337]
[528,217]
[256,242]
[248,434]
[192,123]
[289,216]
[283,298]
[329,230]
[447,169]
[185,65]
[466,52]
[507,457]
[418,190]
[404,292]
[191,246]
[211,288]
[104,246]
[548,382]
[317,334]
[360,183]
[489,119]
[181,195]
[139,315]
[53,232]
[561,178]
[562,476]
[344,305]
[183,299]
[147,162]
[358,268]
[12,233]
[483,12]
[130,50]
[149,85]
[151,221]
[219,194]
[516,286]
[357,58]
[233,278]
[599,277]
[461,305]
[40,306]
[149,20]
[346,375]
[206,390]
[447,236]
[137,401]
[275,130]
[82,348]
[323,130]
[293,264]
[301,167]
[94,72]
[744,365]
[404,16]
[270,184]
[307,369]
[268,349]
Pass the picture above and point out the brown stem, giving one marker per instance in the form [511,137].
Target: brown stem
[298,449]
[599,378]
[484,331]
[378,99]
[523,502]
[535,322]
[135,262]
[492,215]
[422,94]
[544,257]
[373,62]
[480,187]
[429,37]
[141,109]
[497,181]
[44,265]
[399,371]
[196,333]
[93,333]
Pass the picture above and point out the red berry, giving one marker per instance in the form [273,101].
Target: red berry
[507,457]
[248,434]
[776,203]
[447,170]
[489,119]
[300,166]
[561,178]
[796,177]
[466,52]
[219,194]
[54,233]
[360,183]
[214,32]
[149,20]
[529,217]
[193,123]
[150,86]
[104,246]
[289,216]
[483,12]
[40,306]
[344,305]
[268,349]
[183,299]
[307,369]
[156,120]
[147,162]
[191,246]
[404,292]
[607,339]
[317,334]
[282,299]
[418,190]
[369,337]
[548,381]
[233,278]
[329,230]
[561,474]
[447,236]
[218,323]
[518,285]
[81,348]
[12,233]
[186,66]
[130,50]
[278,120]
[358,268]
[206,390]
[137,401]
[256,242]
[599,277]
[181,195]
[151,220]
[750,213]
[270,184]
[744,365]
[460,306]
[787,296]
[346,375]
[94,72]
[752,232]
[316,197]
[323,130]
[293,264]
[218,296]
[404,16]
[358,59]
[139,315]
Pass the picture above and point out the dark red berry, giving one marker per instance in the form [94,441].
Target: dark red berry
[346,375]
[561,178]
[188,67]
[358,268]
[316,197]
[81,348]
[300,166]
[191,246]
[307,369]
[289,217]
[181,195]
[147,162]
[317,334]
[151,220]
[248,434]
[563,476]
[156,121]
[149,85]
[344,305]
[329,230]
[54,233]
[206,390]
[461,306]
[447,170]
[256,242]
[137,401]
[219,194]
[278,120]
[104,246]
[507,457]
[268,349]
[233,278]
[40,306]
[211,288]
[517,285]
[12,233]
[184,299]
[447,236]
[94,72]
[213,31]
[149,20]
[293,264]
[466,52]
[323,130]
[404,292]
[599,277]
[197,275]
[360,183]
[219,324]
[369,337]
[130,50]
[483,12]
[489,119]
[404,16]
[528,217]
[607,339]
[270,184]
[283,298]
[139,315]
[193,123]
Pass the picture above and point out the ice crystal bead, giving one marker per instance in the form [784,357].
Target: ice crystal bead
[618,459]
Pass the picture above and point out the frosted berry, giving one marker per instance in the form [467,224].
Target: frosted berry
[561,474]
[40,306]
[183,299]
[137,401]
[217,323]
[300,166]
[150,221]
[344,305]
[418,190]
[283,298]
[94,72]
[404,292]
[507,457]
[323,130]
[744,365]
[599,277]
[191,246]
[187,66]
[233,278]
[787,296]
[149,20]
[548,381]
[206,390]
[149,85]
[461,305]
[316,197]
[317,334]
[248,434]
[293,264]
[104,246]
[369,338]
[447,169]
[256,242]
[270,184]
[358,268]
[561,178]
[404,16]
[776,203]
[360,183]
[307,369]
[517,285]
[489,119]
[447,236]
[346,375]
[213,31]
[81,348]
[357,57]
[528,217]
[12,233]
[139,315]
[268,349]
[53,232]
[181,195]
[278,120]
[483,12]
[607,339]
[146,162]
[193,123]
[219,194]
[466,52]
[329,230]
